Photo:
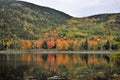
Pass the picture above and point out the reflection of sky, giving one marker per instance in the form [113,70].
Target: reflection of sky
[80,8]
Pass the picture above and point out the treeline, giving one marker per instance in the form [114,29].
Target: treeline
[60,44]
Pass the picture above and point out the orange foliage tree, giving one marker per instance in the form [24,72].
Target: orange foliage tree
[51,43]
[62,45]
[39,44]
[73,44]
[96,44]
[27,44]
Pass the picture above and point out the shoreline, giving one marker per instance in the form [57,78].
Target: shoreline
[40,51]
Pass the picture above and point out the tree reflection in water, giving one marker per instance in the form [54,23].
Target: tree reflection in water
[66,66]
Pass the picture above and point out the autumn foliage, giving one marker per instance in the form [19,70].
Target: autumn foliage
[27,44]
[66,44]
[51,44]
[55,39]
[62,45]
[39,44]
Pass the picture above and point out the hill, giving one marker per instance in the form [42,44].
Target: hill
[27,21]
[28,26]
[98,32]
[100,26]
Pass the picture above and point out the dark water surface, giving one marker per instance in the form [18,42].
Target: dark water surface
[59,67]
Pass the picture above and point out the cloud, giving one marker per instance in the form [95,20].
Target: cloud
[81,8]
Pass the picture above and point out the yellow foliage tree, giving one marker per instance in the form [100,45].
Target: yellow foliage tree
[27,44]
[62,45]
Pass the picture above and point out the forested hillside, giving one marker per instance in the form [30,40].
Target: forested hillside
[27,26]
[27,21]
[99,32]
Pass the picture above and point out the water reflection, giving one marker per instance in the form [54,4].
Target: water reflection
[67,66]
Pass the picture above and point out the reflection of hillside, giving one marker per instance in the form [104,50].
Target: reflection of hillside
[47,65]
[95,60]
[59,62]
[27,58]
[53,62]
[66,59]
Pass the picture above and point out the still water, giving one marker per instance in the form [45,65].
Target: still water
[59,67]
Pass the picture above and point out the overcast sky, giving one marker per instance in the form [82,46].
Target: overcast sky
[81,8]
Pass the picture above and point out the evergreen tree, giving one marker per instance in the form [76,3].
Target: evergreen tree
[107,46]
[44,45]
[85,45]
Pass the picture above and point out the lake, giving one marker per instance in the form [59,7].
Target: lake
[30,66]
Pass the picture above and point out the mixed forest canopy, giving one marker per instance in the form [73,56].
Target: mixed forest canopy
[28,26]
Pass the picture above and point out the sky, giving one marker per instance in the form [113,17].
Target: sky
[81,8]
